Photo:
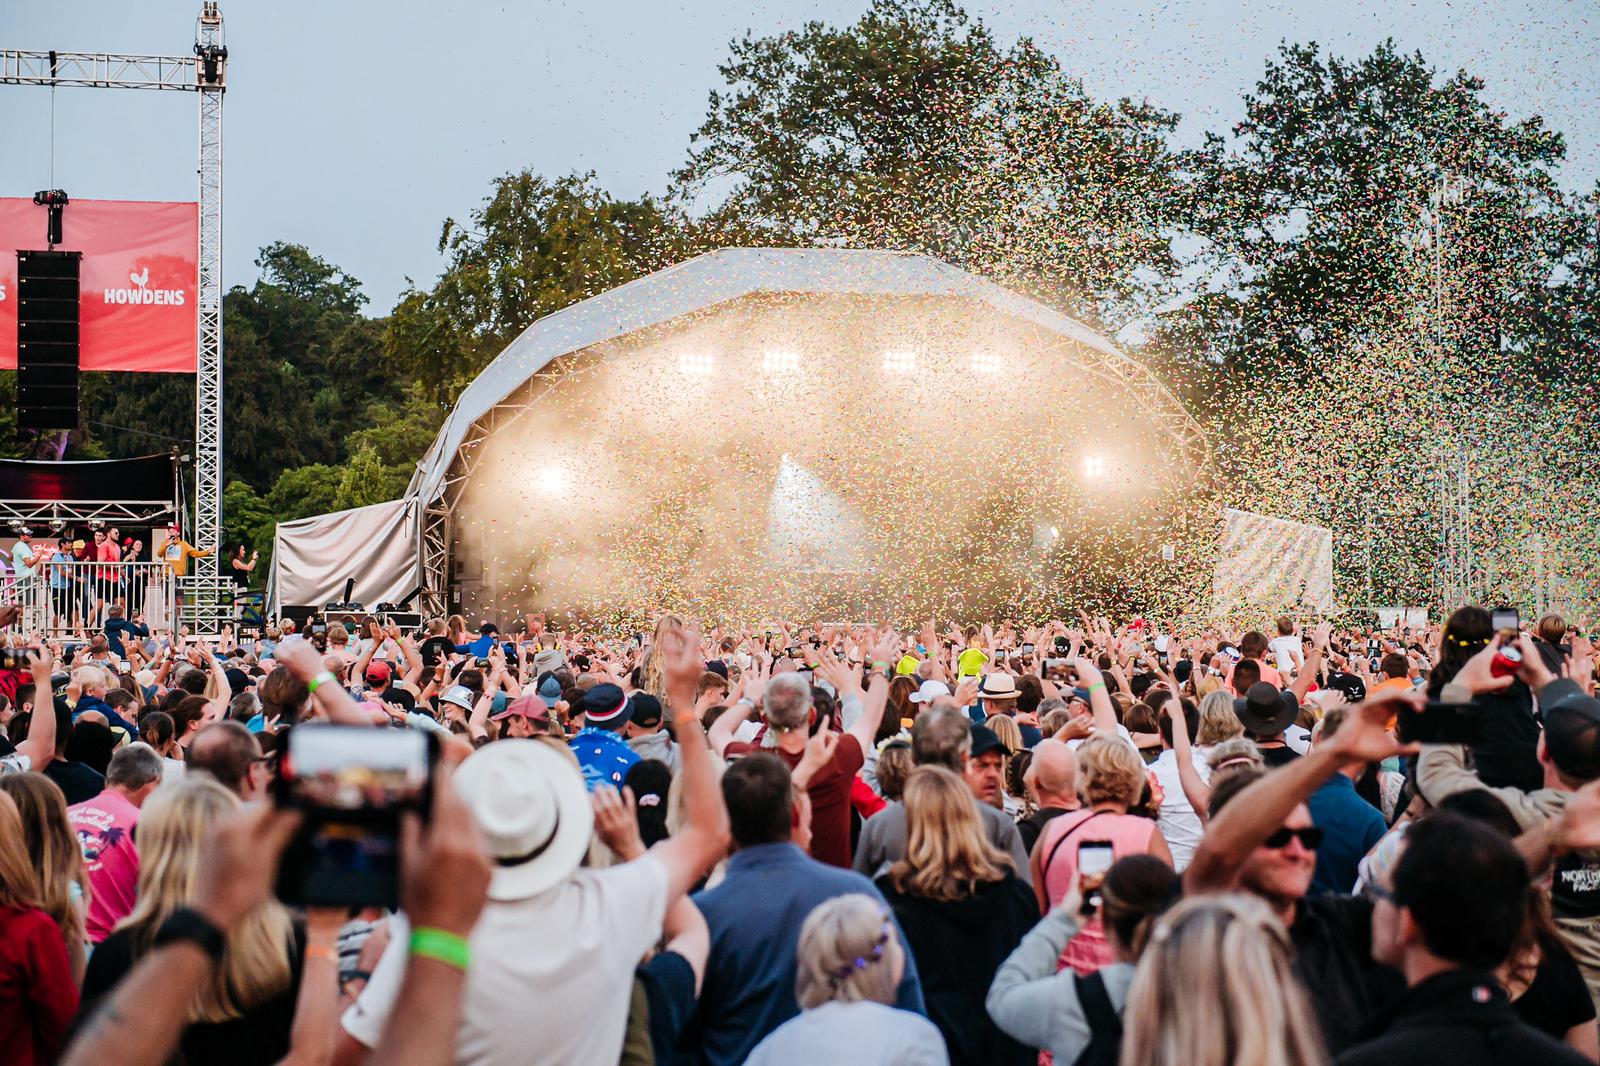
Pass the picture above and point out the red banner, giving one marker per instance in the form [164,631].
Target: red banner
[138,288]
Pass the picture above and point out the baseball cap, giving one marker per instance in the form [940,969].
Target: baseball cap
[603,704]
[930,690]
[238,680]
[984,740]
[550,691]
[524,707]
[646,710]
[487,628]
[378,672]
[1571,729]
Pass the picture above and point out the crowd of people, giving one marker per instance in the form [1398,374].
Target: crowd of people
[1078,842]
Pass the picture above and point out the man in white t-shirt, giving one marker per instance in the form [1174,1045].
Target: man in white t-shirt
[1287,655]
[553,954]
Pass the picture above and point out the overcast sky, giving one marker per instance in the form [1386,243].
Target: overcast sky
[356,127]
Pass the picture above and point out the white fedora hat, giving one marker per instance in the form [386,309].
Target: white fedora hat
[530,803]
[998,687]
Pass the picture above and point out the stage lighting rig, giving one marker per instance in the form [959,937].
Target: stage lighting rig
[213,53]
[53,200]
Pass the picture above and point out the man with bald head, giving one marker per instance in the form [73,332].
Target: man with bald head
[230,753]
[1052,781]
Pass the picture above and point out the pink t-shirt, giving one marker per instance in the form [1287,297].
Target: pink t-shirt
[1128,834]
[105,831]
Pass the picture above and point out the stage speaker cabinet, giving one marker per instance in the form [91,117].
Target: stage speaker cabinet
[47,339]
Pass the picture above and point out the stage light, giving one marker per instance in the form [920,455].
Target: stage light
[900,362]
[553,480]
[986,362]
[780,361]
[1094,466]
[696,364]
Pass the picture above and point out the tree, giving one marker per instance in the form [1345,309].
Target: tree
[915,129]
[534,247]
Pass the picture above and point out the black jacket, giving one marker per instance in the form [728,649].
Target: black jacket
[958,947]
[1458,1018]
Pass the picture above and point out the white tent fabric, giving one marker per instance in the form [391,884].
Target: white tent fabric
[715,278]
[315,555]
[379,546]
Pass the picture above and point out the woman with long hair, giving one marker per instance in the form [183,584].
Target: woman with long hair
[850,965]
[1505,755]
[651,677]
[962,909]
[1111,778]
[244,1014]
[38,995]
[1058,1010]
[1216,987]
[52,845]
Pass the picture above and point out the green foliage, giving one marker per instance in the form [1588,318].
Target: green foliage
[534,247]
[915,129]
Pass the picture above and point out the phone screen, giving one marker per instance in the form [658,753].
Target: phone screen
[1094,859]
[352,783]
[1504,618]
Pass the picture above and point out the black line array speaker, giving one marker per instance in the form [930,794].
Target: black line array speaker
[47,339]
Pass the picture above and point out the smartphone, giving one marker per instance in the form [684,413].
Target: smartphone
[1438,723]
[15,659]
[1027,649]
[352,783]
[1094,859]
[1505,619]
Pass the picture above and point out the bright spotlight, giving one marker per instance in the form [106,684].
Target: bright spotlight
[986,362]
[780,361]
[697,364]
[1094,466]
[900,362]
[552,480]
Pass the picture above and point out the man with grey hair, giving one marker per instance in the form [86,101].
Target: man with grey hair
[229,752]
[104,826]
[941,736]
[790,715]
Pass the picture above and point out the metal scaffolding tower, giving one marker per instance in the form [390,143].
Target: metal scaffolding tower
[204,73]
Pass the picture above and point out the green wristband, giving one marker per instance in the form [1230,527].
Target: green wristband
[440,946]
[320,680]
[1096,686]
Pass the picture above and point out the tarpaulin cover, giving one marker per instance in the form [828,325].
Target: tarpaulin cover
[1272,565]
[376,545]
[147,479]
[138,285]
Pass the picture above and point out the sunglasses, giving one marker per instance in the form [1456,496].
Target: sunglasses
[1310,838]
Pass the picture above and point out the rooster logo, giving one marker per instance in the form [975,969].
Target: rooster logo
[140,279]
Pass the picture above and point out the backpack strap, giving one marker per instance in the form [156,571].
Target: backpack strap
[1068,835]
[1102,1017]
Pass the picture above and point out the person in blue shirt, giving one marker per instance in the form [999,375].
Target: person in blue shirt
[118,627]
[1350,825]
[603,755]
[488,633]
[755,915]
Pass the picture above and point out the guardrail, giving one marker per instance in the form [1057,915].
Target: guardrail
[63,598]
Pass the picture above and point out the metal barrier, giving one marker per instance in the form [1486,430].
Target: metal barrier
[61,599]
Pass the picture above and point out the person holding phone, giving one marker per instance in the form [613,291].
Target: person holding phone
[1075,850]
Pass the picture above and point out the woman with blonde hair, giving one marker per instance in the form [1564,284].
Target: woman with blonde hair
[245,1013]
[52,845]
[850,965]
[1006,728]
[651,677]
[1111,778]
[1196,998]
[38,995]
[1217,721]
[962,908]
